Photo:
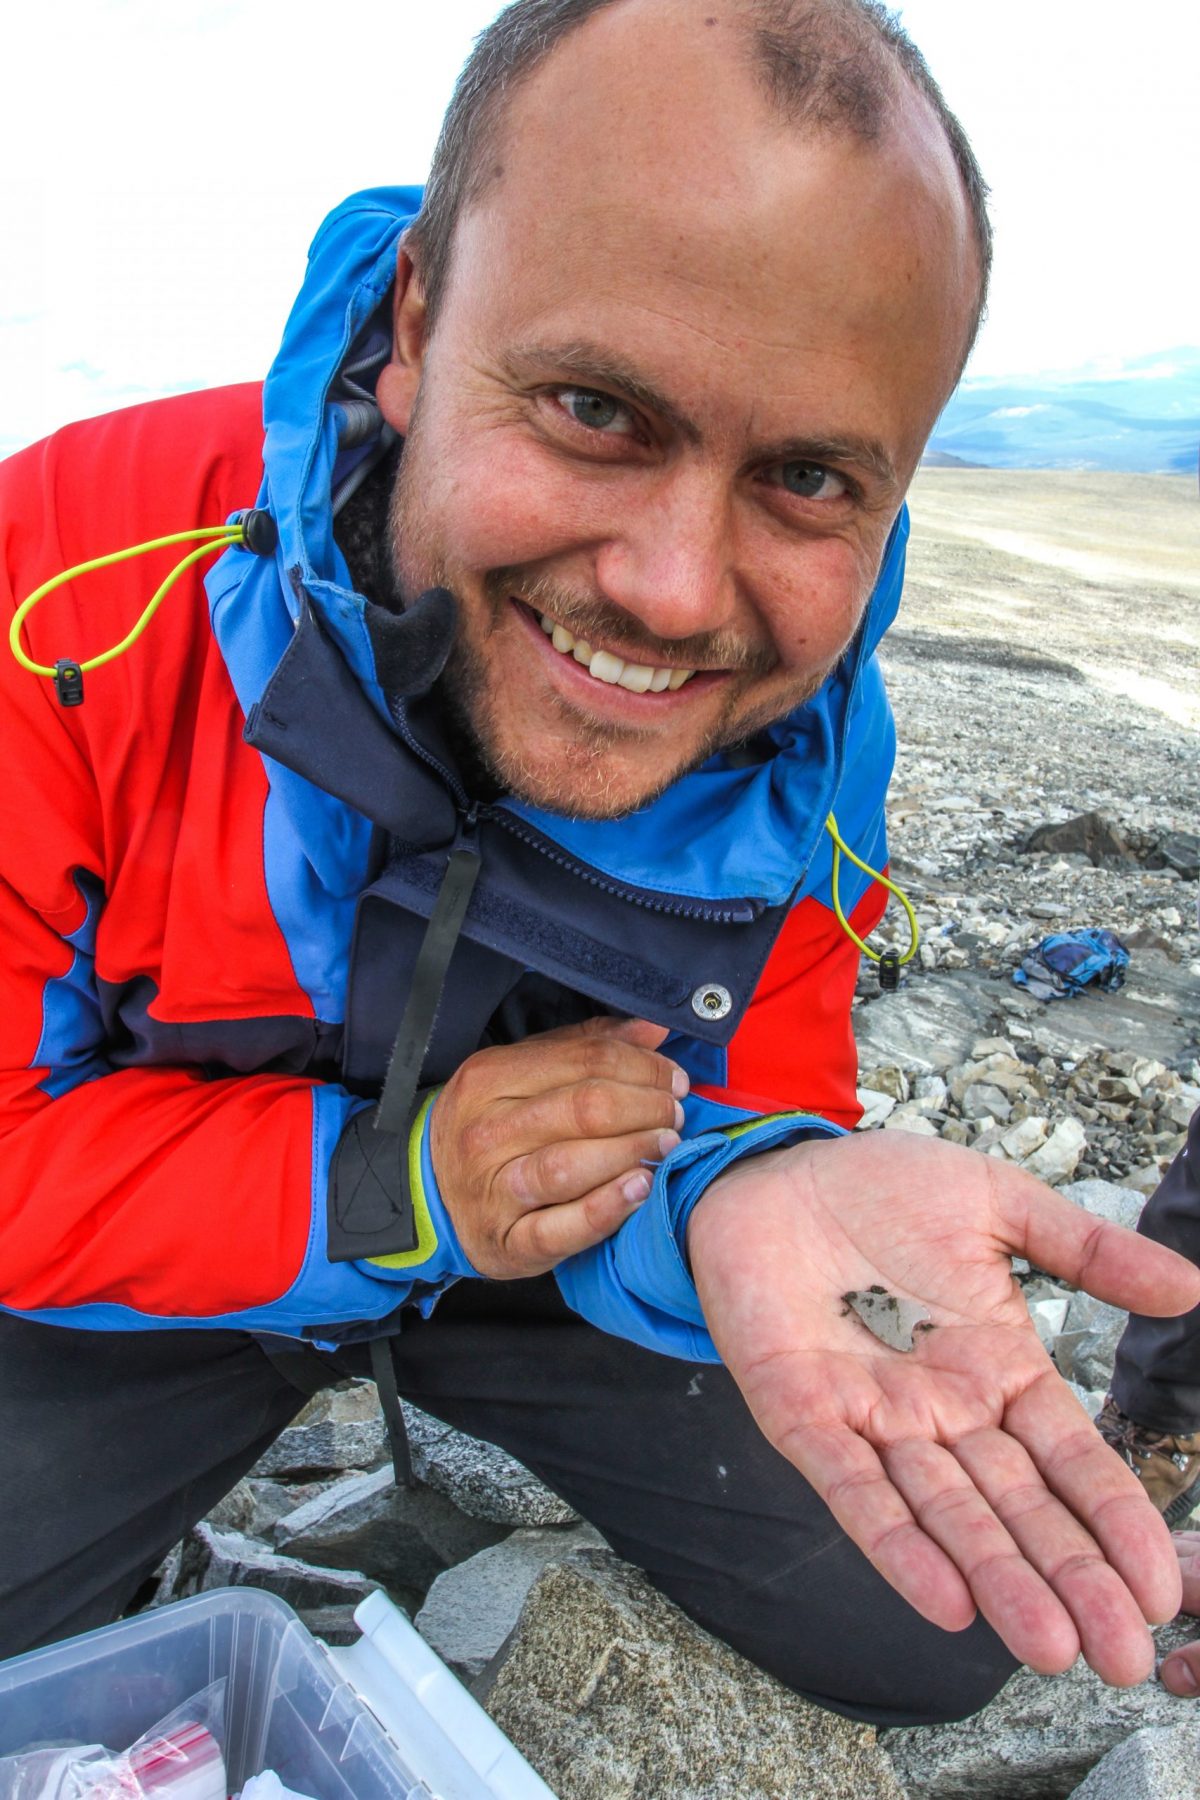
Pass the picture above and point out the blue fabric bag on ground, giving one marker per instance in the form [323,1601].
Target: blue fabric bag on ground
[1066,962]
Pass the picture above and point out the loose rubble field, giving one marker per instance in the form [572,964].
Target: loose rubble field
[1044,668]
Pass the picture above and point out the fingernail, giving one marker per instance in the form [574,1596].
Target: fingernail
[667,1141]
[680,1083]
[636,1188]
[1178,1674]
[678,1117]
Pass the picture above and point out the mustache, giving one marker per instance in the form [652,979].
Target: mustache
[594,619]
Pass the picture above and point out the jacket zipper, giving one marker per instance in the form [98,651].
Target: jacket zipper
[471,811]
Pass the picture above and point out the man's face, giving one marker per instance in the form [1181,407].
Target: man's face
[680,379]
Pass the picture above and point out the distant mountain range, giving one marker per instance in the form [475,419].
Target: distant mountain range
[1142,414]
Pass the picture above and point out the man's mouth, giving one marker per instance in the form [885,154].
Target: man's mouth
[603,665]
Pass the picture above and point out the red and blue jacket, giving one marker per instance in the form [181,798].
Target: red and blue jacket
[215,877]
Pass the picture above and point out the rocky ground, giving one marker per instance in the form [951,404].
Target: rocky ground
[1044,670]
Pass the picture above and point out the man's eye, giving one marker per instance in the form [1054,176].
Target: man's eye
[809,481]
[599,412]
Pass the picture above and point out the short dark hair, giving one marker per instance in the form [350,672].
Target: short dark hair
[829,64]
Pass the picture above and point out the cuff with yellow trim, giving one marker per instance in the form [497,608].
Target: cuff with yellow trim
[651,1248]
[385,1210]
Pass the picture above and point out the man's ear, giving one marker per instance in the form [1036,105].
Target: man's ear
[396,389]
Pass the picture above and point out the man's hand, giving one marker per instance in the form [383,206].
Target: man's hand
[964,1468]
[1180,1673]
[539,1147]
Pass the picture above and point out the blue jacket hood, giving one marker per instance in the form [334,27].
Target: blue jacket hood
[720,832]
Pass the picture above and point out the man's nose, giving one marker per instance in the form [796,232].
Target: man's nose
[670,559]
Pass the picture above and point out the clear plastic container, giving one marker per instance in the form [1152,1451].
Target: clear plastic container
[290,1706]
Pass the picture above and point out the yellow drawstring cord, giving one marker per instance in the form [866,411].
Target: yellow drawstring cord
[215,538]
[255,530]
[840,849]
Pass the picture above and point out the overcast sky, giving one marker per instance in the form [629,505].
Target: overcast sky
[164,163]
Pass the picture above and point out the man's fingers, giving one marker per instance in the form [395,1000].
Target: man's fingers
[1105,1613]
[568,1116]
[1101,1492]
[1010,1592]
[562,1171]
[848,1475]
[557,1060]
[1180,1673]
[1105,1259]
[1187,1552]
[544,1236]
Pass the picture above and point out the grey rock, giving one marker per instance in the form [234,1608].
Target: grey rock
[910,1119]
[1178,851]
[401,1538]
[471,1609]
[1049,1317]
[235,1510]
[991,1046]
[1087,1346]
[482,1480]
[1160,1762]
[1059,1156]
[1022,1139]
[324,1598]
[1178,1112]
[926,1026]
[982,1100]
[1145,1179]
[273,1499]
[888,1079]
[305,1449]
[930,1092]
[1118,1087]
[1038,1738]
[340,1428]
[1107,1200]
[1091,1399]
[1090,833]
[875,1108]
[612,1693]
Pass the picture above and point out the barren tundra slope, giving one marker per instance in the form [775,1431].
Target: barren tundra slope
[1100,570]
[1044,666]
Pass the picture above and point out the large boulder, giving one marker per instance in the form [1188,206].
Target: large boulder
[324,1598]
[613,1694]
[470,1609]
[340,1428]
[401,1537]
[480,1478]
[1090,834]
[1038,1738]
[1161,1762]
[1086,1348]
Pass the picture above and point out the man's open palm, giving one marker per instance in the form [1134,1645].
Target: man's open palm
[964,1468]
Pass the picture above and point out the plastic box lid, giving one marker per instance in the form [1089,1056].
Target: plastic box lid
[292,1704]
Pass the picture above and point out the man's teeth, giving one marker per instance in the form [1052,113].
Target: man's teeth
[639,678]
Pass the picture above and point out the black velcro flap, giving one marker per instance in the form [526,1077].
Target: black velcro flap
[370,1203]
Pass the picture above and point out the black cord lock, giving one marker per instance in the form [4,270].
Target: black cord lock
[259,531]
[68,683]
[889,971]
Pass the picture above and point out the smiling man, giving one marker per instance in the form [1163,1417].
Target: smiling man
[432,922]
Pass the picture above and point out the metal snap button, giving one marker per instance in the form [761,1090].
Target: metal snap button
[711,1002]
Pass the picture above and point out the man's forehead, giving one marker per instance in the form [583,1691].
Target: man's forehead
[655,109]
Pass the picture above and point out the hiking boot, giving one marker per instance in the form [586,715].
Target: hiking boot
[1167,1467]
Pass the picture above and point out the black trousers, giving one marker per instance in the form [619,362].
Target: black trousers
[112,1445]
[1157,1375]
